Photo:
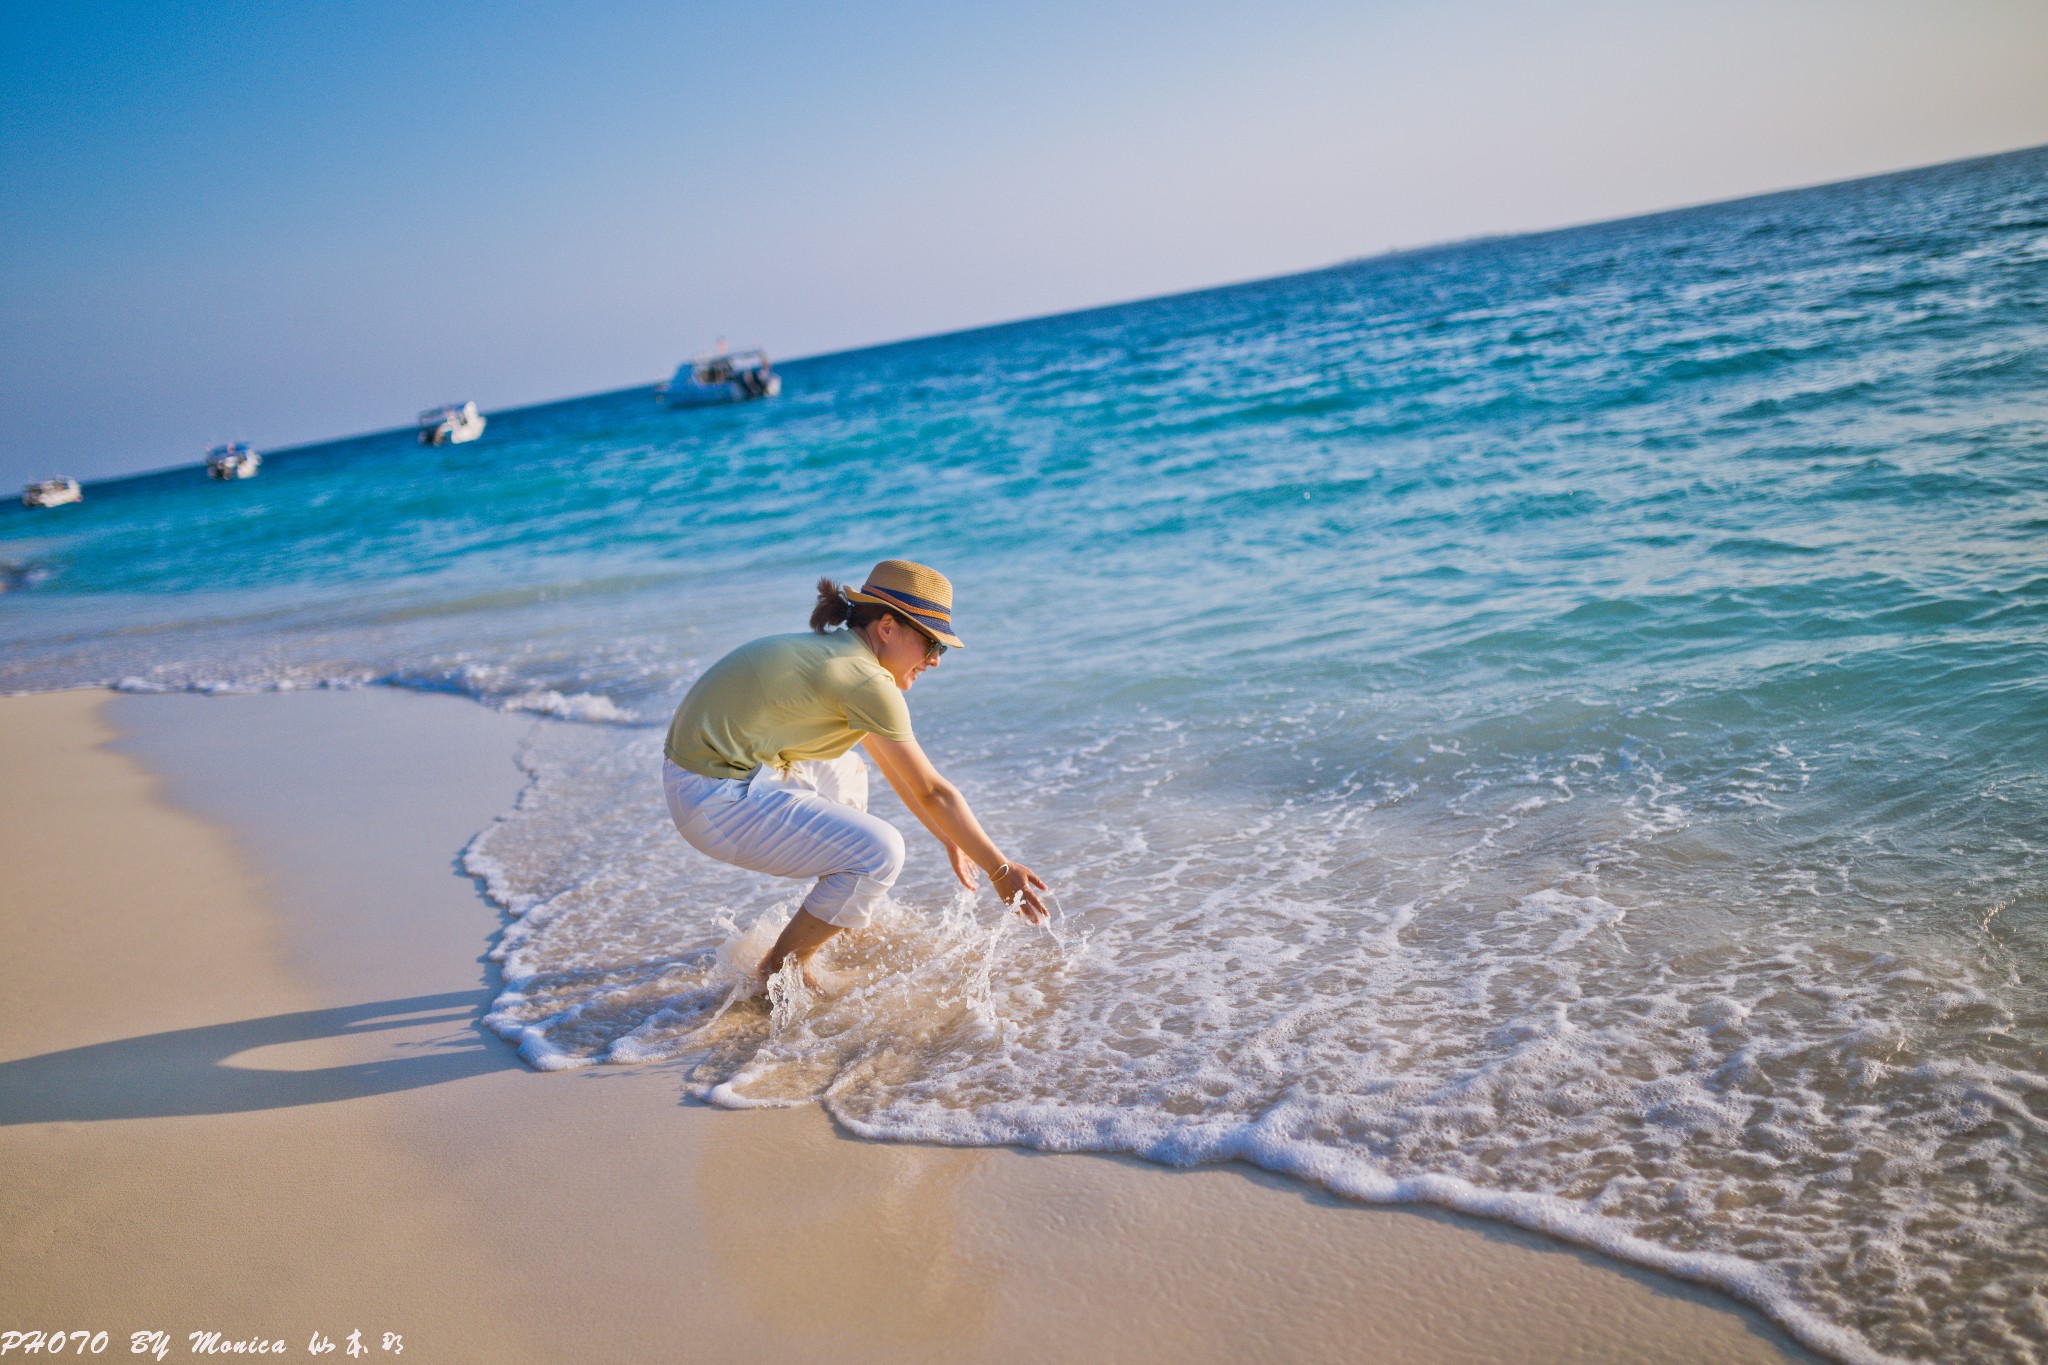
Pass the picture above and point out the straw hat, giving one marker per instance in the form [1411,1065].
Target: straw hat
[922,594]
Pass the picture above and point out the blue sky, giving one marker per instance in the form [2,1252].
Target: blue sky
[283,223]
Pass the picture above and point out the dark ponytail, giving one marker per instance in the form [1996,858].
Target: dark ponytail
[833,609]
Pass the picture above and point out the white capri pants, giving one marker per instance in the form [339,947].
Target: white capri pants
[812,821]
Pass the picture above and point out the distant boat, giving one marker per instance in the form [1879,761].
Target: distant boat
[51,493]
[720,378]
[450,425]
[236,461]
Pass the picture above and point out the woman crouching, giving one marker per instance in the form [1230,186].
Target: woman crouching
[760,771]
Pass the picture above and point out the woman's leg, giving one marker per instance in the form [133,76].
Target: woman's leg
[844,782]
[790,830]
[801,937]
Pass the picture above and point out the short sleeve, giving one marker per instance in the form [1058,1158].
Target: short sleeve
[876,705]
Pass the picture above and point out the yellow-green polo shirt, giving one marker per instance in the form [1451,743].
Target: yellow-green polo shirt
[782,700]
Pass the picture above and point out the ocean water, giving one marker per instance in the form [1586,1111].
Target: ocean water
[1552,727]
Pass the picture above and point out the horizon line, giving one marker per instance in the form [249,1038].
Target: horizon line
[1389,253]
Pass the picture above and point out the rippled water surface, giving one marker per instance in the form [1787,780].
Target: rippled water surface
[1554,727]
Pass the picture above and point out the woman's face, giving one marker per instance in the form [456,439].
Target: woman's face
[903,650]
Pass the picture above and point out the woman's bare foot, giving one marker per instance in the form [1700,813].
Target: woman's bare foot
[801,937]
[762,976]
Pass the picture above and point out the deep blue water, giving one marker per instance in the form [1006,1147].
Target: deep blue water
[1556,726]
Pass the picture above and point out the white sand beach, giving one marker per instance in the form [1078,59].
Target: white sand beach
[243,1089]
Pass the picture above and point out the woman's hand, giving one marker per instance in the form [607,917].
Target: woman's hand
[1015,886]
[1019,880]
[963,866]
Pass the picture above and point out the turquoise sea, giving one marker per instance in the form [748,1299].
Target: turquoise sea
[1554,727]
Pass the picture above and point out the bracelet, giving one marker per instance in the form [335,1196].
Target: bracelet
[999,873]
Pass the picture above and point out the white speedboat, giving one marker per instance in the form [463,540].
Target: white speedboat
[720,378]
[450,425]
[233,462]
[51,493]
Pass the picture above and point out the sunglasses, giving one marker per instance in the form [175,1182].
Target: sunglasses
[932,648]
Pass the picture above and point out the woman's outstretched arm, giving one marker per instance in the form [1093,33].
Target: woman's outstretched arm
[941,808]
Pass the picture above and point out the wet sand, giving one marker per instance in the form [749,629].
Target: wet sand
[242,1089]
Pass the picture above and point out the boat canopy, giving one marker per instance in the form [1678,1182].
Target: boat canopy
[720,366]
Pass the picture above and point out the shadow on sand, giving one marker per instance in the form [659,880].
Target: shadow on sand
[192,1071]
